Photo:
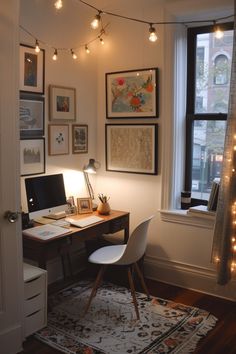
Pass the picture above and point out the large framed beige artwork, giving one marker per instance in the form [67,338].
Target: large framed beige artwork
[132,148]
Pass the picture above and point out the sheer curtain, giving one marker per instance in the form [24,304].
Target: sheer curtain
[224,241]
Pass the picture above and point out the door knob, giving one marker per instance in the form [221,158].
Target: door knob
[11,216]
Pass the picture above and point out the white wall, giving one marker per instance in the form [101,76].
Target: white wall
[176,253]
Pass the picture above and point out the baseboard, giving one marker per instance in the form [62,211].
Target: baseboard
[188,276]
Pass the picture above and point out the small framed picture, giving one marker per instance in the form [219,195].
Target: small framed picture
[79,139]
[31,69]
[32,156]
[31,113]
[62,103]
[132,94]
[58,139]
[84,205]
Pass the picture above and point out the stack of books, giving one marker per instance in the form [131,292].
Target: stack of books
[209,210]
[201,211]
[212,203]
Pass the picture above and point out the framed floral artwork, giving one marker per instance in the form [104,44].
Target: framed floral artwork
[32,156]
[58,139]
[62,103]
[31,69]
[79,138]
[31,115]
[132,94]
[132,148]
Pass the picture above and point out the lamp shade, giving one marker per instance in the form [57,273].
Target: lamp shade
[92,166]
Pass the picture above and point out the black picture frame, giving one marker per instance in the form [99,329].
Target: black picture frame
[32,70]
[132,94]
[32,156]
[31,115]
[132,148]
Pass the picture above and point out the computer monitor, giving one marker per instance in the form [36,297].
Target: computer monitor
[46,196]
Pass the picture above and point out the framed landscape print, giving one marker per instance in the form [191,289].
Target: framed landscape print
[31,113]
[132,148]
[62,103]
[79,138]
[32,156]
[31,69]
[132,94]
[58,139]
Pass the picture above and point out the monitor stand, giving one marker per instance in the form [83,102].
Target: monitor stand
[56,216]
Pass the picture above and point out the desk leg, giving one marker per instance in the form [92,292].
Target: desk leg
[126,232]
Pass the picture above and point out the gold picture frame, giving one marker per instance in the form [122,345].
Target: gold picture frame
[84,205]
[62,103]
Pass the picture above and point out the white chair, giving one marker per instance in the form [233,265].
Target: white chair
[124,255]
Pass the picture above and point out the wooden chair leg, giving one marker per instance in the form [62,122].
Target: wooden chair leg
[97,283]
[144,286]
[132,289]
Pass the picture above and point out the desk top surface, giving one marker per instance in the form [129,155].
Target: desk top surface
[114,214]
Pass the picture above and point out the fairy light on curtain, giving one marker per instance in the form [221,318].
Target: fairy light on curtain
[224,240]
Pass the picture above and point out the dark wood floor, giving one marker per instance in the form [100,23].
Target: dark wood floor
[220,340]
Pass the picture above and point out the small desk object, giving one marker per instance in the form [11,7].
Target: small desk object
[42,251]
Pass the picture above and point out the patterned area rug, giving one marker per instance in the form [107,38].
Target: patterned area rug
[110,326]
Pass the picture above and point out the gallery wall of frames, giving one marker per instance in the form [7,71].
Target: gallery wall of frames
[62,116]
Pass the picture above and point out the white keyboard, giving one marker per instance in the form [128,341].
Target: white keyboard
[89,220]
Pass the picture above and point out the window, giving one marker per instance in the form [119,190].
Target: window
[208,78]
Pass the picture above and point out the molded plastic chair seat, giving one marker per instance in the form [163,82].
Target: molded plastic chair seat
[108,255]
[127,255]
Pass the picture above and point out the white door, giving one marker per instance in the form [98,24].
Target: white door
[11,277]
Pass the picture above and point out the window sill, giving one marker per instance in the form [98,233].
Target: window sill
[182,217]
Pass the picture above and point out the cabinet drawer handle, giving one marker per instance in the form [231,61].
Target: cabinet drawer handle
[32,314]
[30,281]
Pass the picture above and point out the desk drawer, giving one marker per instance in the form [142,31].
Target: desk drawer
[35,321]
[34,286]
[34,303]
[118,224]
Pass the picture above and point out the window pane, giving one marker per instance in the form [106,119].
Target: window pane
[208,140]
[213,67]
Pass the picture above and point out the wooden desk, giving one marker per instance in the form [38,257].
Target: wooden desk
[43,250]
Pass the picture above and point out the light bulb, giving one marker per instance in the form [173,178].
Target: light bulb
[37,49]
[152,34]
[87,49]
[55,55]
[58,4]
[218,33]
[101,41]
[96,21]
[74,56]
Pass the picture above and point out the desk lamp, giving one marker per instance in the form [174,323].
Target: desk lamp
[91,167]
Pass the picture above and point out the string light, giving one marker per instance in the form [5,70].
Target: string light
[58,4]
[74,56]
[96,21]
[87,49]
[55,55]
[152,34]
[152,31]
[37,49]
[217,31]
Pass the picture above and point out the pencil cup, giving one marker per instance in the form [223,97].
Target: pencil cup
[104,208]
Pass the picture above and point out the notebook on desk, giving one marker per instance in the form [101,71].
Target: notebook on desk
[46,232]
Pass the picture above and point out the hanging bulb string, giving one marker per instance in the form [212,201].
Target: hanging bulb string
[185,23]
[53,47]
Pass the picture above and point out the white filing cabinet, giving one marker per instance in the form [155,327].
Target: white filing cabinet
[35,299]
